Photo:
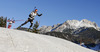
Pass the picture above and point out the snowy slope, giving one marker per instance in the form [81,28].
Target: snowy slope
[21,41]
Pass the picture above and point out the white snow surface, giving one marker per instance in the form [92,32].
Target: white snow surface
[21,41]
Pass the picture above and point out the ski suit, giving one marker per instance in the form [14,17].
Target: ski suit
[31,18]
[10,23]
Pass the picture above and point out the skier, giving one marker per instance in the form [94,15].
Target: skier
[10,22]
[31,18]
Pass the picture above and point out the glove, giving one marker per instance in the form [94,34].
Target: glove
[40,15]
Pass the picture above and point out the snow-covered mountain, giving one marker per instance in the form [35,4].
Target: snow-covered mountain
[75,31]
[22,41]
[69,24]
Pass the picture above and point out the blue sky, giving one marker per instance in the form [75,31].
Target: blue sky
[54,11]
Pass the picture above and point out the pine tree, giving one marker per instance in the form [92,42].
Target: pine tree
[36,25]
[3,21]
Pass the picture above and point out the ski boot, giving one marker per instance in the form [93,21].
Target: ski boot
[18,27]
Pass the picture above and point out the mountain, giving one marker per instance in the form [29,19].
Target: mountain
[21,41]
[83,31]
[69,25]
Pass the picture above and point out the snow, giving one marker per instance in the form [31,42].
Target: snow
[82,23]
[21,41]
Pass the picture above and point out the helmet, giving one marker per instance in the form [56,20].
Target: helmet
[36,10]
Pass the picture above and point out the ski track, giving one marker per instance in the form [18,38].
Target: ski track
[21,41]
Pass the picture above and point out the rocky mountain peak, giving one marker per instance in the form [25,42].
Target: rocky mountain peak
[70,24]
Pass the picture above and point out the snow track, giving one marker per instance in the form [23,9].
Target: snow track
[21,41]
